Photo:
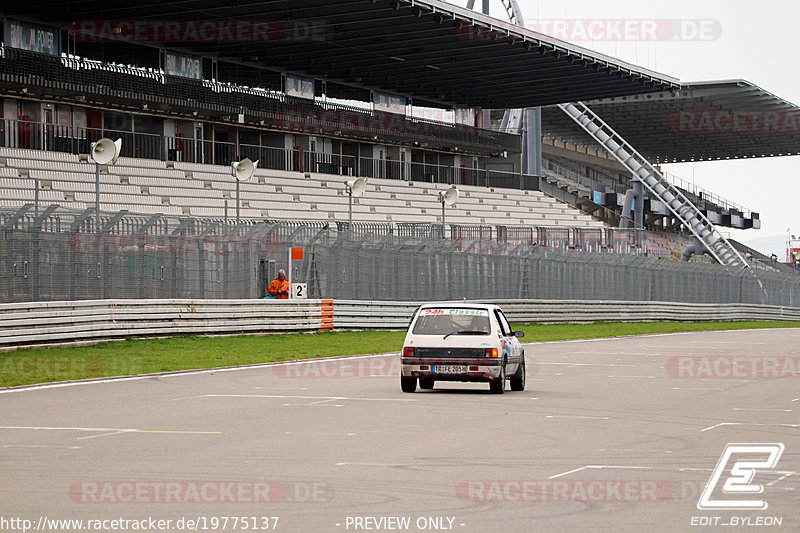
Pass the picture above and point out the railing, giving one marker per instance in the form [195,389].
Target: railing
[603,183]
[101,320]
[701,194]
[77,140]
[268,109]
[35,323]
[362,314]
[607,183]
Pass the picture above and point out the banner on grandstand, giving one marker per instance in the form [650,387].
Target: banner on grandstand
[391,103]
[299,86]
[32,37]
[183,65]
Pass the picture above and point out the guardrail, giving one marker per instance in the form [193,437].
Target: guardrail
[98,320]
[42,323]
[378,314]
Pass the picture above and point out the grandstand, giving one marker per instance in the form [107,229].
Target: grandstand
[198,190]
[348,100]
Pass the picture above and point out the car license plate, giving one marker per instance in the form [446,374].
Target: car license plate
[450,369]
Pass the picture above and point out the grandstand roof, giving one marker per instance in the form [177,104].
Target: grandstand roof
[709,120]
[430,50]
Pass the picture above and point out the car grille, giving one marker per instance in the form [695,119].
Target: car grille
[465,353]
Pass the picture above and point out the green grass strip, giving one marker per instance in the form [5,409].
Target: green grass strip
[144,356]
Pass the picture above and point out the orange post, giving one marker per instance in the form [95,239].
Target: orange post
[326,315]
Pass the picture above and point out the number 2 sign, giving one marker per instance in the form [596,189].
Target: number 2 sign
[299,290]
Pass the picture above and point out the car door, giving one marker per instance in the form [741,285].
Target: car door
[512,349]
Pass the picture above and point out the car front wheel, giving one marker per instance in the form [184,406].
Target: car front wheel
[518,379]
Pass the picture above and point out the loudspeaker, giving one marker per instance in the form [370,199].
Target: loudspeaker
[357,186]
[449,196]
[244,169]
[106,151]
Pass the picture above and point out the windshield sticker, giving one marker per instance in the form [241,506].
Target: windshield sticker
[458,312]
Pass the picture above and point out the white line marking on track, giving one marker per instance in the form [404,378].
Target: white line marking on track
[784,473]
[189,372]
[640,377]
[600,467]
[38,446]
[315,361]
[630,450]
[107,430]
[567,472]
[582,364]
[709,428]
[280,388]
[654,335]
[326,398]
[760,409]
[373,464]
[104,434]
[576,416]
[695,388]
[784,476]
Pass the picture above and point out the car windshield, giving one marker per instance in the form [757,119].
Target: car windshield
[452,321]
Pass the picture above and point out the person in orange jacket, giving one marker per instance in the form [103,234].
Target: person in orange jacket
[279,288]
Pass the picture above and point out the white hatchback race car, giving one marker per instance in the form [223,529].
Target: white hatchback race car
[461,342]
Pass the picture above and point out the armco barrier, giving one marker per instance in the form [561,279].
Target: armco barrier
[380,314]
[25,324]
[53,322]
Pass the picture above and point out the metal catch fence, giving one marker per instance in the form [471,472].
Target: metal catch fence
[61,255]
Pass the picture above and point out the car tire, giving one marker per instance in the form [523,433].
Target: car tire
[408,384]
[518,379]
[498,385]
[426,383]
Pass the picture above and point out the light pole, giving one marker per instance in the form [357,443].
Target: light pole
[103,152]
[447,198]
[356,188]
[242,170]
[36,197]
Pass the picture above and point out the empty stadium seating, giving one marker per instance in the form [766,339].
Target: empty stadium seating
[175,188]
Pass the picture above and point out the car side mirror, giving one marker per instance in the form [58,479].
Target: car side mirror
[519,334]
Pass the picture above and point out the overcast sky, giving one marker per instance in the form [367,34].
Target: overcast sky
[718,39]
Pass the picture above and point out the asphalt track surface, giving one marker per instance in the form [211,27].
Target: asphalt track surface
[632,443]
